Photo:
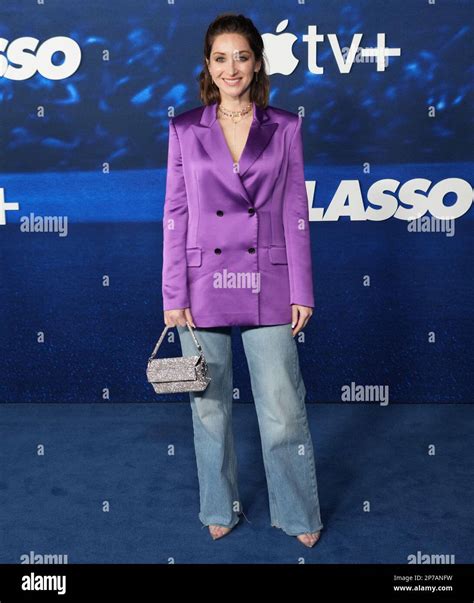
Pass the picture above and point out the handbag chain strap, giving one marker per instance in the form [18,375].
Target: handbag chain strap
[164,333]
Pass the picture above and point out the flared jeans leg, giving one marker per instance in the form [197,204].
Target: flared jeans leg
[279,394]
[220,502]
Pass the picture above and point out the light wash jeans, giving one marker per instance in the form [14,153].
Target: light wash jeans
[279,395]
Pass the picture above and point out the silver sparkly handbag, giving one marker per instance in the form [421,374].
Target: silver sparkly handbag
[182,374]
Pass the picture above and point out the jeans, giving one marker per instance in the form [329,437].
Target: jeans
[279,395]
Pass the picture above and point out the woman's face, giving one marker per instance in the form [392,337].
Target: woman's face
[232,64]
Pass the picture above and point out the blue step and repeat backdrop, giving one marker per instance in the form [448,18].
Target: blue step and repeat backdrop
[386,92]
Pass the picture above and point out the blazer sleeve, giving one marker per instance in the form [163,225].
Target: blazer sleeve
[296,224]
[175,224]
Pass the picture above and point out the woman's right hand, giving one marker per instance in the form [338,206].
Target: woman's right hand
[179,317]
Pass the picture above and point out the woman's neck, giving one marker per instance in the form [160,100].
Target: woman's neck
[235,104]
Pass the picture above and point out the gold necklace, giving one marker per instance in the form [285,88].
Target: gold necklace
[234,115]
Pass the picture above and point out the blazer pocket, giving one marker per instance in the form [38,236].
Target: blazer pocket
[193,256]
[278,255]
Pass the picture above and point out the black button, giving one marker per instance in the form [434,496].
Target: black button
[217,250]
[251,249]
[219,212]
[251,211]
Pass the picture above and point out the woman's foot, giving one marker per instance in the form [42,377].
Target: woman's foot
[218,531]
[309,539]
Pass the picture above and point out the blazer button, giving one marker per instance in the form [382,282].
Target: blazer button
[251,211]
[217,250]
[219,212]
[251,249]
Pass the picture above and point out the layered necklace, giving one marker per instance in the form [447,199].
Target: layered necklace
[235,116]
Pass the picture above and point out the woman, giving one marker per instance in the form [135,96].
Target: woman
[237,252]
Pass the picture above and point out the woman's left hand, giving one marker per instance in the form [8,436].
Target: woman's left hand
[300,316]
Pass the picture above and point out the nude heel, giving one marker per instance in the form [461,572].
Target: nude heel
[218,531]
[309,539]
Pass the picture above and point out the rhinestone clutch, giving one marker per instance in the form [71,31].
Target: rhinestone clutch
[182,374]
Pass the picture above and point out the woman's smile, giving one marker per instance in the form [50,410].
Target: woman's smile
[232,81]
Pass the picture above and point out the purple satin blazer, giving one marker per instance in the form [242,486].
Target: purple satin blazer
[236,237]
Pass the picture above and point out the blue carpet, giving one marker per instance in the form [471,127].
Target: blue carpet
[53,504]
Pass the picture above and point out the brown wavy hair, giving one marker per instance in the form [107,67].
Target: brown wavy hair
[234,23]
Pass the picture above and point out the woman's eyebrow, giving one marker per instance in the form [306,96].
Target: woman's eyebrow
[239,51]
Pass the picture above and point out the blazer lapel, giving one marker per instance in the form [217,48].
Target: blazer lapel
[211,137]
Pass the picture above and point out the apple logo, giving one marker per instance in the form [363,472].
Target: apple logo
[279,57]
